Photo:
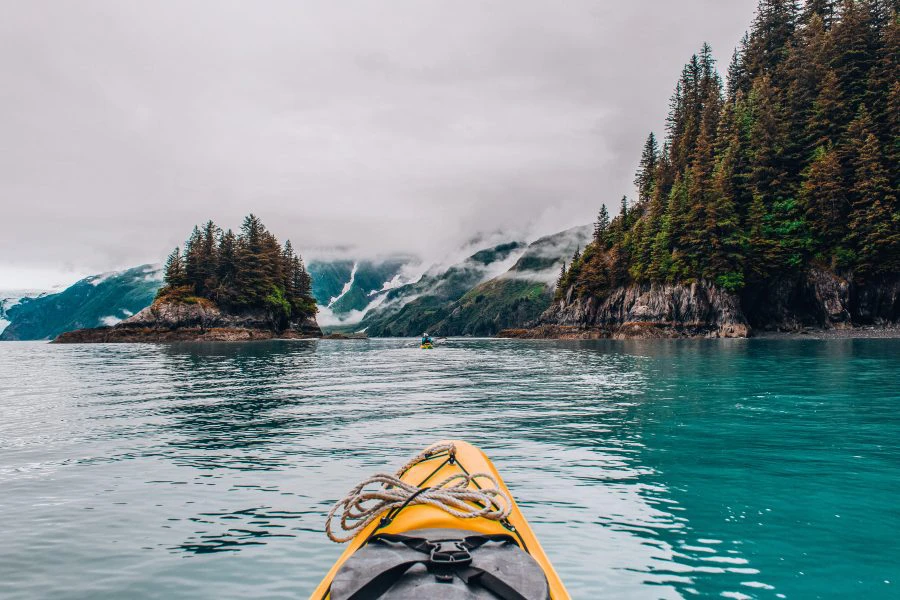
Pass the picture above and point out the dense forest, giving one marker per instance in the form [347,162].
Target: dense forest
[244,271]
[790,164]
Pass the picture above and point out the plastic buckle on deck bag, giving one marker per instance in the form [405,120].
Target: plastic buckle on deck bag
[446,557]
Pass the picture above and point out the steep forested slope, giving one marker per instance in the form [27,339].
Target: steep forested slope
[777,188]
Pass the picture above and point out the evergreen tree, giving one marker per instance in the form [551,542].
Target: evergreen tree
[252,279]
[767,139]
[207,253]
[875,220]
[576,256]
[723,228]
[561,281]
[759,245]
[660,267]
[823,10]
[194,265]
[624,213]
[892,135]
[884,76]
[175,275]
[601,227]
[226,268]
[645,178]
[288,281]
[855,46]
[700,194]
[805,69]
[738,78]
[829,114]
[772,29]
[302,280]
[824,200]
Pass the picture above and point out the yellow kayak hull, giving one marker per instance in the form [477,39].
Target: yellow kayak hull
[427,347]
[421,516]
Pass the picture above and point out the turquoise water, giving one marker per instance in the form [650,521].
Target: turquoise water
[736,468]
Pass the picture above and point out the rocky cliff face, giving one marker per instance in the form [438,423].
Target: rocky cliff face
[816,299]
[196,321]
[822,299]
[651,310]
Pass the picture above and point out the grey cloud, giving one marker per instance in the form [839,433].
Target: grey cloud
[402,125]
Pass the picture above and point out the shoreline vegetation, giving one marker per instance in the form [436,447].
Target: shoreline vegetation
[222,287]
[772,203]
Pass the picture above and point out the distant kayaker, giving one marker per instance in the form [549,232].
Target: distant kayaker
[426,339]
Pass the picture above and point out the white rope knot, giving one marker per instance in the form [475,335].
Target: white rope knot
[452,495]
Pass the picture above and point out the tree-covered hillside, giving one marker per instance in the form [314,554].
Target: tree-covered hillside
[791,163]
[245,271]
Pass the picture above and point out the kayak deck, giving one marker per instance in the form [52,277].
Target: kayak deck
[466,460]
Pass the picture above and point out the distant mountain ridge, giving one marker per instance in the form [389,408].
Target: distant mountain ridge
[93,301]
[11,298]
[504,286]
[500,286]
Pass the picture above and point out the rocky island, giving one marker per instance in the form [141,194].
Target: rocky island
[222,287]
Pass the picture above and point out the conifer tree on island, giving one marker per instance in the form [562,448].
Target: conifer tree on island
[243,272]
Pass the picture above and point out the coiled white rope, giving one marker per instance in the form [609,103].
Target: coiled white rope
[452,495]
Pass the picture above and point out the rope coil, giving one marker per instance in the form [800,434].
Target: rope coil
[361,507]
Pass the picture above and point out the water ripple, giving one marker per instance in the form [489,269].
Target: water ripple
[737,469]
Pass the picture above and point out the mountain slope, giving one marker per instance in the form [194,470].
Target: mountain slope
[11,298]
[329,278]
[369,278]
[410,309]
[346,289]
[497,288]
[519,295]
[92,302]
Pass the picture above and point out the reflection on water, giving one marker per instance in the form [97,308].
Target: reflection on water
[649,469]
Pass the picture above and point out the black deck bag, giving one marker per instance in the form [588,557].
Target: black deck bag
[450,564]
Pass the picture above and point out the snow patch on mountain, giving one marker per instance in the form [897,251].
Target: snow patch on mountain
[347,286]
[11,298]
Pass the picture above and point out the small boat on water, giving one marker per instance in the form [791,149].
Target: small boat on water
[427,342]
[445,526]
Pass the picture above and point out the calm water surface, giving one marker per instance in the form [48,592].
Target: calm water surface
[736,469]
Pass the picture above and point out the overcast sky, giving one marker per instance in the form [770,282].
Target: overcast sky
[389,125]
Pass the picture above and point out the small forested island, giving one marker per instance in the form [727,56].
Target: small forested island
[772,204]
[222,287]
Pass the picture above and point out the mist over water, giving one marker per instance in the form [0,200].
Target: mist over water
[649,469]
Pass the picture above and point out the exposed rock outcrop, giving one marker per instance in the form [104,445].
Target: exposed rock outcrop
[195,321]
[822,299]
[815,299]
[652,310]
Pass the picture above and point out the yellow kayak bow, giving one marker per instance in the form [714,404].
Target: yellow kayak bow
[450,458]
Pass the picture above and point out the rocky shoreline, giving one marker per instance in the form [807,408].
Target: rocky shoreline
[816,303]
[199,321]
[107,335]
[659,331]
